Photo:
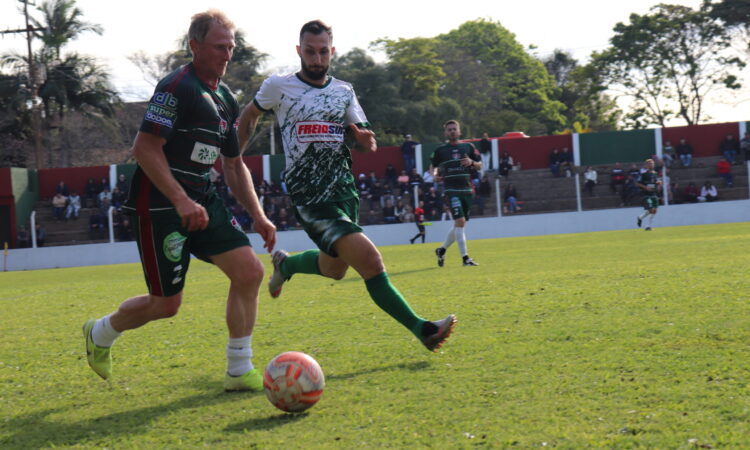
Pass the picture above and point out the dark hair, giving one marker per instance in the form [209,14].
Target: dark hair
[450,122]
[315,27]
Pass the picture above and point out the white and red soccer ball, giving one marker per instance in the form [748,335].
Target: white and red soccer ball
[293,381]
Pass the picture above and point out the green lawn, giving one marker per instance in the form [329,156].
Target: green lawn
[612,339]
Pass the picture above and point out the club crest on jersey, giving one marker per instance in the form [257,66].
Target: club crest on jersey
[222,126]
[319,131]
[456,154]
[204,153]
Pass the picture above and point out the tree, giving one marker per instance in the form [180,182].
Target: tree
[735,15]
[62,22]
[581,90]
[481,67]
[667,63]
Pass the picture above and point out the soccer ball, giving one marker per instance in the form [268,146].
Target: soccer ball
[293,381]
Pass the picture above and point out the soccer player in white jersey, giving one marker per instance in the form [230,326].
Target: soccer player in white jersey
[315,111]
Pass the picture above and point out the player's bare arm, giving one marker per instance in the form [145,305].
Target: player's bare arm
[148,151]
[364,138]
[241,183]
[248,121]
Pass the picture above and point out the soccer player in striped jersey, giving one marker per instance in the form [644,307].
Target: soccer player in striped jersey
[189,123]
[453,162]
[314,112]
[649,183]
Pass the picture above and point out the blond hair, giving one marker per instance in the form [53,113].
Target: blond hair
[200,24]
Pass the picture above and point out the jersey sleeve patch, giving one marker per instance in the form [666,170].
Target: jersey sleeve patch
[161,114]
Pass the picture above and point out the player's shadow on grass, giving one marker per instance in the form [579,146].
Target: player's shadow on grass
[265,423]
[357,279]
[36,430]
[413,366]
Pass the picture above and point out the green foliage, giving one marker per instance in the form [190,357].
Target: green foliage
[668,62]
[62,21]
[481,68]
[581,90]
[620,339]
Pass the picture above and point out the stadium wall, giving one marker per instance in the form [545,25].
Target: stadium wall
[483,228]
[533,152]
[613,146]
[704,139]
[74,177]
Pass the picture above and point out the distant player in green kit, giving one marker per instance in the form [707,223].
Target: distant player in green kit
[189,123]
[314,112]
[649,184]
[454,161]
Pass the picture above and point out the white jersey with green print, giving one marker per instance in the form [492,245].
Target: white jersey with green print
[313,121]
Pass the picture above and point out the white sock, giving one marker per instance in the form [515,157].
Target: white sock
[450,238]
[643,216]
[461,239]
[651,219]
[239,352]
[103,334]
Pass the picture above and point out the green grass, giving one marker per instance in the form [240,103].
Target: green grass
[613,339]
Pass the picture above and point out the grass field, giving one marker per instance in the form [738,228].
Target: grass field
[612,339]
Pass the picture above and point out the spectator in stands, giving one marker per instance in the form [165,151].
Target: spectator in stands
[506,165]
[97,224]
[724,168]
[616,177]
[23,237]
[363,186]
[74,206]
[566,162]
[403,182]
[407,215]
[103,183]
[389,212]
[630,190]
[281,220]
[730,147]
[372,218]
[90,192]
[432,200]
[484,192]
[428,180]
[41,235]
[123,229]
[745,146]
[676,195]
[62,188]
[634,171]
[691,193]
[376,195]
[391,175]
[510,199]
[554,162]
[668,154]
[118,198]
[408,151]
[241,216]
[105,194]
[485,152]
[685,151]
[415,180]
[590,176]
[123,184]
[59,201]
[709,193]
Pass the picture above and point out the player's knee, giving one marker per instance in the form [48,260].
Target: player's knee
[250,274]
[169,306]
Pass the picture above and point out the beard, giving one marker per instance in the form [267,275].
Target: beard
[317,73]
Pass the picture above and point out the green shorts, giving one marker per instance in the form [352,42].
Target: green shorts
[326,223]
[650,202]
[165,246]
[460,204]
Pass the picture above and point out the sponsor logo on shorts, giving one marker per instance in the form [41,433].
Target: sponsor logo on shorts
[236,225]
[178,274]
[173,244]
[204,153]
[312,131]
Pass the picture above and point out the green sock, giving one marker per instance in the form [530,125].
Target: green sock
[305,262]
[390,300]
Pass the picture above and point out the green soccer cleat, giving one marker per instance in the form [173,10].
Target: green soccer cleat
[100,359]
[251,380]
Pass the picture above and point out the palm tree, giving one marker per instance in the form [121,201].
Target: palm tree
[62,22]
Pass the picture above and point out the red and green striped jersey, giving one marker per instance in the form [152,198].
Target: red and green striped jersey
[199,124]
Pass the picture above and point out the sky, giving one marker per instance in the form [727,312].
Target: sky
[579,26]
